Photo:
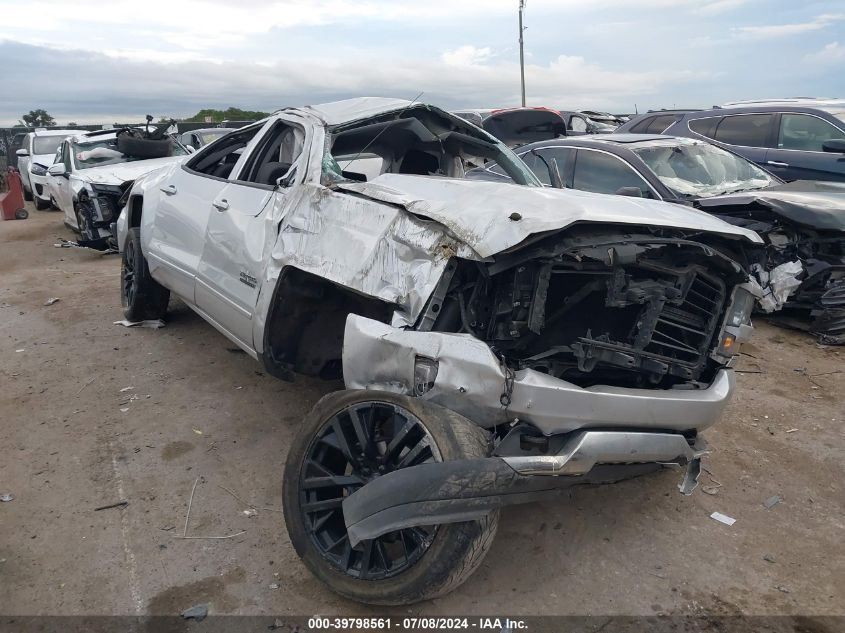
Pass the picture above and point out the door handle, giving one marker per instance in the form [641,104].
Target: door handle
[169,189]
[220,205]
[777,163]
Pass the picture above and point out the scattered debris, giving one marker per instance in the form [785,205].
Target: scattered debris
[125,389]
[277,624]
[723,518]
[197,612]
[782,589]
[771,502]
[274,585]
[6,496]
[63,243]
[153,324]
[713,489]
[251,512]
[792,431]
[188,516]
[768,558]
[119,504]
[85,385]
[197,431]
[167,528]
[51,301]
[124,409]
[18,351]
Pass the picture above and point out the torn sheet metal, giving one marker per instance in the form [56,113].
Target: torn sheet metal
[479,213]
[376,249]
[471,381]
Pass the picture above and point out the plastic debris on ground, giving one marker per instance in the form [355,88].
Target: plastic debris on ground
[51,301]
[197,612]
[723,518]
[771,502]
[768,558]
[153,324]
[6,497]
[125,389]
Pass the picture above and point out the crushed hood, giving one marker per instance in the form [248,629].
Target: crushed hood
[479,213]
[816,204]
[121,172]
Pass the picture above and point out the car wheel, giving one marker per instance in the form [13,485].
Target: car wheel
[27,194]
[341,446]
[53,205]
[142,296]
[41,205]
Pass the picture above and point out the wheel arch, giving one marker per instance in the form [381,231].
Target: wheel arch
[306,317]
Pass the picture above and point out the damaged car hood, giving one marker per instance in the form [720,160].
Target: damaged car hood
[121,172]
[820,205]
[492,217]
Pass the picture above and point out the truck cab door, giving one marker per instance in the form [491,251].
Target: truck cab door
[178,235]
[234,252]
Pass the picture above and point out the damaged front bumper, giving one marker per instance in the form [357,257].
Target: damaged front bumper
[461,373]
[464,490]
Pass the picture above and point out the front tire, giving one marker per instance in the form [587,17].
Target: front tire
[350,437]
[41,205]
[142,296]
[27,194]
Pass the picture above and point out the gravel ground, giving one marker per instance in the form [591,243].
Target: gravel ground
[92,413]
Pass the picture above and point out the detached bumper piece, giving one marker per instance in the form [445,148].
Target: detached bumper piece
[463,490]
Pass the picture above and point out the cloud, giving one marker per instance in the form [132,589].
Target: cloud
[466,56]
[831,54]
[88,86]
[784,30]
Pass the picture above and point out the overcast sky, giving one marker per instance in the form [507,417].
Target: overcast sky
[88,61]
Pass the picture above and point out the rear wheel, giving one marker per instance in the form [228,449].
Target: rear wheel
[348,439]
[142,296]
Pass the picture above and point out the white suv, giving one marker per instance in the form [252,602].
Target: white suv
[34,158]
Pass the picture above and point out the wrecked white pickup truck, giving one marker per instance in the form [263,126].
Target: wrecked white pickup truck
[498,342]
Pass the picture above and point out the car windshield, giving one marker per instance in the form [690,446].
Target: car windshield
[103,151]
[701,170]
[207,137]
[46,144]
[422,141]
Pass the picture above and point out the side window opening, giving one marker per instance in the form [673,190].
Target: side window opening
[598,172]
[805,132]
[705,127]
[746,130]
[274,157]
[219,159]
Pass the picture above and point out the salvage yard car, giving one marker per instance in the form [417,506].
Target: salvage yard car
[93,170]
[497,342]
[802,222]
[34,158]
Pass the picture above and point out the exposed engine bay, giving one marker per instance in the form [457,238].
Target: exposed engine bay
[815,259]
[597,307]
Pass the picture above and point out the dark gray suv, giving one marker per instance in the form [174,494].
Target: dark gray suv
[795,139]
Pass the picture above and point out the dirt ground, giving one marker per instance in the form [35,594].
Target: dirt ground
[92,413]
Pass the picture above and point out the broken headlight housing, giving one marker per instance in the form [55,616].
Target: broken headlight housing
[737,327]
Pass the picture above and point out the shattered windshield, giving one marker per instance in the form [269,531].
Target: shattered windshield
[103,151]
[701,170]
[46,144]
[422,141]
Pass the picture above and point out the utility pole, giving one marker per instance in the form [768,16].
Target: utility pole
[521,51]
